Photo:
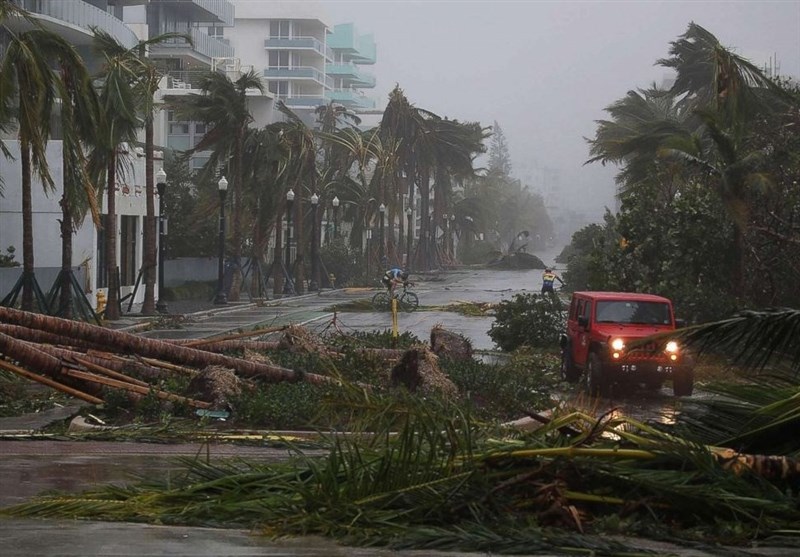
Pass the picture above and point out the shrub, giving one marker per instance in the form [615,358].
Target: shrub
[528,319]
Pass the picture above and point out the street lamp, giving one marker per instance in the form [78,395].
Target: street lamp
[369,253]
[314,284]
[221,298]
[409,213]
[287,286]
[382,210]
[452,235]
[444,233]
[161,185]
[335,204]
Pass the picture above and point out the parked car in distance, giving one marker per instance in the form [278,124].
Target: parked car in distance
[603,340]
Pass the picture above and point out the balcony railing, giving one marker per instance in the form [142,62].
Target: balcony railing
[203,44]
[351,72]
[299,43]
[299,72]
[81,14]
[350,97]
[223,9]
[304,101]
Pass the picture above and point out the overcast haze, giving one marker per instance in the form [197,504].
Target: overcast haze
[546,70]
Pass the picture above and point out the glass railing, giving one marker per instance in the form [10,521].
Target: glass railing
[300,43]
[203,44]
[351,72]
[301,72]
[312,101]
[223,9]
[350,97]
[82,14]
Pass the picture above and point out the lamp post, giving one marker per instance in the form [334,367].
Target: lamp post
[452,236]
[221,298]
[382,211]
[314,284]
[444,234]
[369,254]
[409,214]
[287,285]
[335,204]
[161,185]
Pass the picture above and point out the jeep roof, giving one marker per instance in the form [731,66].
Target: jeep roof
[636,296]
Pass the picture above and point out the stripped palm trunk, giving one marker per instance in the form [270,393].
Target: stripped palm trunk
[43,337]
[133,344]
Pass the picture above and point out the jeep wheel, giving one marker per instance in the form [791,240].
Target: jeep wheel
[683,382]
[569,372]
[598,384]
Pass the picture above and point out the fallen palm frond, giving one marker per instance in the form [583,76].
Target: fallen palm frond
[429,476]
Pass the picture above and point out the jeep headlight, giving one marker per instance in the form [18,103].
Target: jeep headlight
[617,344]
[671,347]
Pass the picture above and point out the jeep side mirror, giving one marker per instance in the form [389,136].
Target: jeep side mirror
[583,321]
[680,323]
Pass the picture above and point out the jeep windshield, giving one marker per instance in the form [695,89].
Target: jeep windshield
[633,312]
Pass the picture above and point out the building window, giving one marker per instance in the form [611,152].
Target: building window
[279,59]
[279,88]
[279,29]
[216,32]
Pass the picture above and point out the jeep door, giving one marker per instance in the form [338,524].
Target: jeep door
[578,329]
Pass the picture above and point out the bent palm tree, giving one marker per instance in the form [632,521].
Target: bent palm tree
[223,107]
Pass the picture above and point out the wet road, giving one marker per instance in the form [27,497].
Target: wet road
[28,468]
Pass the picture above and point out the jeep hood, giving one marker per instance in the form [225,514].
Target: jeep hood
[628,330]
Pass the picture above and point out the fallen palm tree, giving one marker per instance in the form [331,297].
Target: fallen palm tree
[133,344]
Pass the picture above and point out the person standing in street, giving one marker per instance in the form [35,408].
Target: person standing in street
[548,280]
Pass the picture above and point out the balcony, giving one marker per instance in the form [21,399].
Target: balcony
[356,48]
[352,74]
[304,73]
[207,11]
[299,43]
[79,17]
[205,48]
[351,98]
[304,101]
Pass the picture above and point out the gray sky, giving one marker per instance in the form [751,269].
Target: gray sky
[545,70]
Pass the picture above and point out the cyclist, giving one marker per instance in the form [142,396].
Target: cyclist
[548,279]
[392,278]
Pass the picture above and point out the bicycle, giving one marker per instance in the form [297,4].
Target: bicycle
[406,301]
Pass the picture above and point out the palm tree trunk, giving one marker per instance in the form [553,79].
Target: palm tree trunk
[27,226]
[112,304]
[425,228]
[65,294]
[149,302]
[277,273]
[738,261]
[238,176]
[299,274]
[152,348]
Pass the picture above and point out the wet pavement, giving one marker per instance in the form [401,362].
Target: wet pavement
[31,467]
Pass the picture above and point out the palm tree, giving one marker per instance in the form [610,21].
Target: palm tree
[701,123]
[145,77]
[302,175]
[79,113]
[27,78]
[223,107]
[119,123]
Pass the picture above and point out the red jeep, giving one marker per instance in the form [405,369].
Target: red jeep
[601,328]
